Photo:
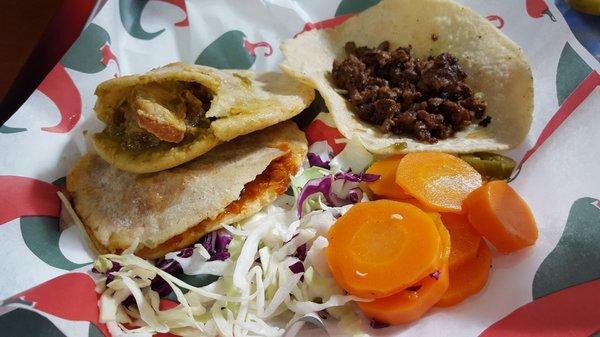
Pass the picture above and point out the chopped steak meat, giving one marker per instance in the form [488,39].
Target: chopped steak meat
[425,98]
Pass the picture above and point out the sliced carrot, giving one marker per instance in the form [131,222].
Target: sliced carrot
[410,304]
[386,185]
[381,247]
[446,239]
[419,204]
[498,212]
[438,180]
[464,238]
[469,278]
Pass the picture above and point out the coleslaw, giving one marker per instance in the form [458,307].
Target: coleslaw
[264,272]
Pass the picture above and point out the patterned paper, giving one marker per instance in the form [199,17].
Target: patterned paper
[552,289]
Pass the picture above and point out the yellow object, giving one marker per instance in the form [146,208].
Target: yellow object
[586,6]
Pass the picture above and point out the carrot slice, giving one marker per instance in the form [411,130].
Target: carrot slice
[446,239]
[469,278]
[386,185]
[438,180]
[381,247]
[464,238]
[419,204]
[498,212]
[410,304]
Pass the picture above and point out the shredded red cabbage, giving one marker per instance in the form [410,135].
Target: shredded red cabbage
[116,266]
[216,243]
[297,267]
[170,266]
[339,189]
[355,195]
[129,301]
[349,176]
[322,185]
[320,154]
[301,252]
[316,160]
[109,278]
[186,252]
[435,274]
[158,284]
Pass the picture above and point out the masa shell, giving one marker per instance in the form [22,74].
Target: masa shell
[172,209]
[242,102]
[495,66]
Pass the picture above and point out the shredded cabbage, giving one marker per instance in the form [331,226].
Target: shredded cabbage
[258,294]
[354,157]
[320,154]
[270,269]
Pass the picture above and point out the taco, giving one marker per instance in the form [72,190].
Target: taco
[172,209]
[178,112]
[428,75]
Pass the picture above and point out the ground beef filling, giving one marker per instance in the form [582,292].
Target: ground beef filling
[425,98]
[156,113]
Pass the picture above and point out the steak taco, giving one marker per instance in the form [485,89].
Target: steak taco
[172,209]
[406,76]
[178,112]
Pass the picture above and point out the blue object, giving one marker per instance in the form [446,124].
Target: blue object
[585,27]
